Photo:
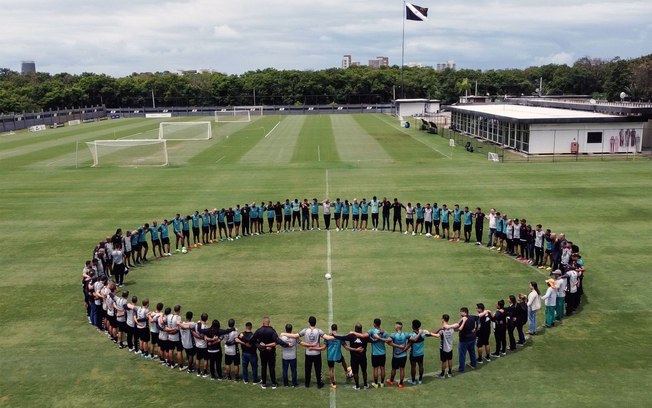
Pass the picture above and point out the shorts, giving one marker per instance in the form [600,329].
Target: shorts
[175,344]
[279,218]
[337,216]
[222,225]
[467,227]
[457,225]
[186,233]
[213,227]
[112,320]
[378,361]
[143,334]
[164,345]
[156,242]
[190,352]
[345,216]
[483,338]
[416,359]
[154,337]
[127,254]
[419,221]
[314,216]
[548,251]
[398,362]
[230,225]
[365,217]
[235,359]
[331,363]
[445,225]
[202,353]
[204,228]
[236,223]
[445,355]
[409,221]
[122,326]
[195,230]
[356,217]
[166,241]
[144,245]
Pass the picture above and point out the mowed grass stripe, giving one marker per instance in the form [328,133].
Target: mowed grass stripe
[399,145]
[316,142]
[354,143]
[277,147]
[232,144]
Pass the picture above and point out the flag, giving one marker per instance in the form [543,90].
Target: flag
[416,13]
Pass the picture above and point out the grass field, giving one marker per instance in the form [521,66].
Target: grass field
[53,214]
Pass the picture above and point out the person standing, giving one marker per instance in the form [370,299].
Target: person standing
[326,205]
[561,294]
[533,306]
[500,329]
[386,207]
[305,215]
[249,354]
[337,214]
[312,335]
[468,223]
[483,332]
[436,218]
[492,228]
[296,213]
[446,338]
[427,216]
[119,267]
[550,299]
[479,225]
[399,342]
[314,214]
[232,352]
[417,351]
[375,210]
[511,319]
[378,338]
[289,356]
[358,348]
[466,327]
[266,339]
[397,207]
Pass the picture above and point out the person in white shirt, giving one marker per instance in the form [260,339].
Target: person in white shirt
[561,294]
[492,228]
[533,306]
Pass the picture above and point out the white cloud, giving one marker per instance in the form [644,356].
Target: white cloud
[121,36]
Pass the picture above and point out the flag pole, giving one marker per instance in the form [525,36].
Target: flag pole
[403,54]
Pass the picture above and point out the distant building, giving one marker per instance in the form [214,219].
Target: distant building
[346,61]
[446,65]
[195,71]
[379,62]
[413,65]
[355,64]
[28,67]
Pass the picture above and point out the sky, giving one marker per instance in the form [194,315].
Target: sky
[119,37]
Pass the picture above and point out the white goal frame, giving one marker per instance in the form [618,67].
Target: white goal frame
[92,146]
[233,116]
[494,157]
[255,110]
[161,136]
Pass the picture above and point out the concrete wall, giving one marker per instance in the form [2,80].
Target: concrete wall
[557,138]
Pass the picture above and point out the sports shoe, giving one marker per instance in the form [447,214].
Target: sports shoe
[400,385]
[420,382]
[441,375]
[355,387]
[333,386]
[375,385]
[450,375]
[495,355]
[451,240]
[414,233]
[182,367]
[503,354]
[458,240]
[405,233]
[245,382]
[274,386]
[390,383]
[337,229]
[412,382]
[263,386]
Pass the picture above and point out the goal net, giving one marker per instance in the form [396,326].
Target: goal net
[493,157]
[253,110]
[233,116]
[185,130]
[133,153]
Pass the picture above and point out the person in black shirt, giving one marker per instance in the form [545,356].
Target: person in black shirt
[230,215]
[479,225]
[397,206]
[266,339]
[358,347]
[305,215]
[212,337]
[278,214]
[466,327]
[511,318]
[386,205]
[249,354]
[244,212]
[500,327]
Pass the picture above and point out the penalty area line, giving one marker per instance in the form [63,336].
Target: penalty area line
[270,132]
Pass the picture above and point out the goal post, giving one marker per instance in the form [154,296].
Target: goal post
[180,131]
[253,110]
[232,116]
[493,157]
[129,153]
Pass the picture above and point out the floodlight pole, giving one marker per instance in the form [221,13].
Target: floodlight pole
[403,54]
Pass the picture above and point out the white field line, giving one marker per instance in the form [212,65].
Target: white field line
[318,153]
[56,161]
[274,128]
[220,159]
[329,269]
[418,140]
[129,136]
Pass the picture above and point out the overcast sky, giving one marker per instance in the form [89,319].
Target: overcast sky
[119,37]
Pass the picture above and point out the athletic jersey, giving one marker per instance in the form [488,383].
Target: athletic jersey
[436,213]
[509,231]
[220,216]
[176,225]
[126,242]
[134,239]
[120,314]
[110,305]
[141,235]
[270,211]
[287,209]
[312,335]
[338,207]
[499,225]
[374,206]
[364,207]
[419,211]
[230,346]
[377,346]
[457,215]
[212,218]
[517,231]
[327,208]
[237,215]
[356,342]
[154,232]
[129,312]
[445,214]
[427,214]
[161,324]
[314,208]
[254,212]
[154,326]
[296,206]
[163,229]
[195,221]
[333,349]
[345,209]
[505,226]
[468,217]
[185,224]
[355,208]
[278,210]
[117,256]
[200,342]
[400,339]
[409,212]
[418,343]
[484,324]
[172,321]
[186,336]
[141,317]
[548,242]
[538,239]
[446,340]
[204,219]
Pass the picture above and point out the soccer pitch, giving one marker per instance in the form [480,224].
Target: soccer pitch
[53,214]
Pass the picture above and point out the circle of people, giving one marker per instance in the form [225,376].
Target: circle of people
[163,335]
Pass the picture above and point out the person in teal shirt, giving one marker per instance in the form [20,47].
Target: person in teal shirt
[253,216]
[419,212]
[212,224]
[337,213]
[345,214]
[314,214]
[156,242]
[378,337]
[436,218]
[142,242]
[364,214]
[355,212]
[270,216]
[399,342]
[468,223]
[205,229]
[237,220]
[333,346]
[176,228]
[417,351]
[165,237]
[185,230]
[445,221]
[195,227]
[457,223]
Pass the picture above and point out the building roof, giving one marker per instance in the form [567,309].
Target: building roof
[537,115]
[417,100]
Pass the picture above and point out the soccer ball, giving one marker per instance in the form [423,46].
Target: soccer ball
[328,276]
[184,251]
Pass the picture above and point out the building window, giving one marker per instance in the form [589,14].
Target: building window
[594,137]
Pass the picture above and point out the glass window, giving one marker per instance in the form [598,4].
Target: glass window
[594,137]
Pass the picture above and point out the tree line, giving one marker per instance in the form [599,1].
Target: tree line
[599,78]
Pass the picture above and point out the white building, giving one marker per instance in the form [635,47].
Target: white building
[542,130]
[416,107]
